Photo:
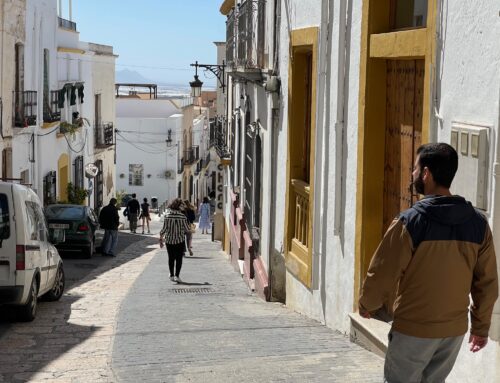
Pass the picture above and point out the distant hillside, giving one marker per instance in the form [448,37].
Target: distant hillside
[131,76]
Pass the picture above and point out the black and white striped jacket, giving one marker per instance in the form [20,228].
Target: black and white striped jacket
[175,227]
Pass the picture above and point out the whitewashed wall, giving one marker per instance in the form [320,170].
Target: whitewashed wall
[468,90]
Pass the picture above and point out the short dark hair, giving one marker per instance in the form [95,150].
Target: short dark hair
[175,204]
[442,161]
[206,200]
[113,201]
[133,195]
[145,200]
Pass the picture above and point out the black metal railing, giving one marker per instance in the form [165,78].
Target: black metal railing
[24,108]
[220,138]
[191,155]
[104,135]
[51,110]
[230,38]
[67,24]
[250,33]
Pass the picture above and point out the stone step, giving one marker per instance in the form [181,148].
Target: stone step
[370,334]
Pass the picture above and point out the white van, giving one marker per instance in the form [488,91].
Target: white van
[30,265]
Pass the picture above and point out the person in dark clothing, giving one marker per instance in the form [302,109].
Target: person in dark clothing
[145,214]
[433,257]
[134,208]
[174,231]
[109,220]
[189,212]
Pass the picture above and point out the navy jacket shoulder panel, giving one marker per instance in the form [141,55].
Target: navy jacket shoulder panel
[422,228]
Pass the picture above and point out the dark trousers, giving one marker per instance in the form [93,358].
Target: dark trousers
[175,254]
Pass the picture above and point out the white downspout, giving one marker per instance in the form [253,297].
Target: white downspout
[339,123]
[70,10]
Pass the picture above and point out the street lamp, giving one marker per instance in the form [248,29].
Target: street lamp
[169,138]
[217,70]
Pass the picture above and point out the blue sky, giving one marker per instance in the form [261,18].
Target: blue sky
[153,34]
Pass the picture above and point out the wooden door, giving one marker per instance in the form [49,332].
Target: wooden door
[405,84]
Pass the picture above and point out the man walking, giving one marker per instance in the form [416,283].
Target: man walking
[109,221]
[134,208]
[431,258]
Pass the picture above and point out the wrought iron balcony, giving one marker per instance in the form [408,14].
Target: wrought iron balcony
[67,24]
[104,135]
[51,110]
[230,39]
[191,155]
[24,108]
[245,39]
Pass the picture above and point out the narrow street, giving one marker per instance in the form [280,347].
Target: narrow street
[124,321]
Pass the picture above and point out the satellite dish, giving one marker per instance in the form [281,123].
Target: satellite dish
[91,170]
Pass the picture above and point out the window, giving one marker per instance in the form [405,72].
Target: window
[35,222]
[99,185]
[49,188]
[19,80]
[79,172]
[136,175]
[4,218]
[65,212]
[407,14]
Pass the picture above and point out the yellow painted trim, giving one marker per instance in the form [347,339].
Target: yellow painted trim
[63,180]
[306,38]
[371,116]
[70,50]
[48,125]
[411,43]
[226,7]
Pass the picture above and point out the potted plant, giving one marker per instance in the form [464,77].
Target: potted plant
[72,127]
[76,195]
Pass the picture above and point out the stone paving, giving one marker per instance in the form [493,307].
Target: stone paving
[212,329]
[126,322]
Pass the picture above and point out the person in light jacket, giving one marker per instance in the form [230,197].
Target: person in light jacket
[204,223]
[173,234]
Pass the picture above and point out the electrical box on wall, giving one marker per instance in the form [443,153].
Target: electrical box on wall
[472,145]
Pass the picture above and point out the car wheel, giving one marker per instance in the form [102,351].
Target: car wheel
[89,251]
[27,312]
[58,288]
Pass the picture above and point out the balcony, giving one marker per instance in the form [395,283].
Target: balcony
[104,135]
[24,108]
[245,40]
[191,155]
[67,24]
[230,39]
[51,110]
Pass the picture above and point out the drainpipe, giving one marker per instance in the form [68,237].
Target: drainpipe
[70,10]
[1,71]
[340,120]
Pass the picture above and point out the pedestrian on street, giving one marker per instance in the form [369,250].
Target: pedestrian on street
[145,214]
[173,233]
[109,220]
[204,223]
[133,208]
[189,212]
[431,258]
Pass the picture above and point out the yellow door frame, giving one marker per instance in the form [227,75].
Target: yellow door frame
[63,175]
[302,40]
[379,44]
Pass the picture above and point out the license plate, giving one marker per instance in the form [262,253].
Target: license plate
[58,226]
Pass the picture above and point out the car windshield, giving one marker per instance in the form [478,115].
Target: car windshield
[65,212]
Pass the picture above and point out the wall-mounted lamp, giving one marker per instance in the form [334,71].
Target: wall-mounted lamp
[217,70]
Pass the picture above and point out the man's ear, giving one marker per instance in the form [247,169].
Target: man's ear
[426,174]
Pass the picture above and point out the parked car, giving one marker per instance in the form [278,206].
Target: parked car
[80,225]
[30,265]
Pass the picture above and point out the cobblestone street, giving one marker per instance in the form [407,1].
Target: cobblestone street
[126,322]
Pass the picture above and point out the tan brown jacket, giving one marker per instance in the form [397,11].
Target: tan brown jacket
[432,257]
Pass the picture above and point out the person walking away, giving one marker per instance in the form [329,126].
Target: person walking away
[431,258]
[189,212]
[204,223]
[109,220]
[173,234]
[134,209]
[145,214]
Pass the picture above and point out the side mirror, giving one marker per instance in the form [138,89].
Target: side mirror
[57,236]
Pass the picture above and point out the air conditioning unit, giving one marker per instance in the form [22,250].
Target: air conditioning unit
[168,174]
